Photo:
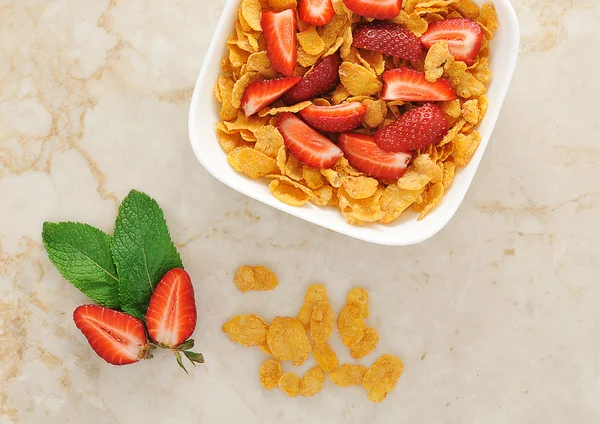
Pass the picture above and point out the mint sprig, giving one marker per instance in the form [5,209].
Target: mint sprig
[119,272]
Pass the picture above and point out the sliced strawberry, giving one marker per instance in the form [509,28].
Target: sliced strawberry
[116,337]
[462,35]
[363,153]
[416,129]
[262,93]
[171,316]
[316,12]
[322,79]
[389,39]
[378,9]
[310,147]
[280,37]
[411,86]
[338,118]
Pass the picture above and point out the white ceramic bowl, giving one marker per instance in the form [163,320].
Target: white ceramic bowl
[204,114]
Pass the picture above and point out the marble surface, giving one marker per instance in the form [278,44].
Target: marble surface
[496,318]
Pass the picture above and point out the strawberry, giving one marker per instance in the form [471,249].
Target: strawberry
[310,147]
[171,315]
[363,153]
[389,39]
[378,9]
[339,118]
[316,12]
[463,37]
[411,86]
[323,78]
[116,337]
[416,129]
[280,37]
[262,93]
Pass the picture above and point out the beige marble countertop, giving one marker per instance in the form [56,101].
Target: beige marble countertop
[496,318]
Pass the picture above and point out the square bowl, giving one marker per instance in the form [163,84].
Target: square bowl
[204,114]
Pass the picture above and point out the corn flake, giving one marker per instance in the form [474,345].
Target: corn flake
[348,375]
[259,62]
[311,42]
[467,9]
[312,382]
[366,345]
[395,201]
[358,80]
[294,169]
[270,373]
[351,325]
[283,4]
[382,376]
[322,196]
[247,330]
[277,110]
[470,111]
[412,22]
[289,191]
[289,383]
[449,170]
[451,108]
[315,294]
[360,187]
[240,87]
[252,13]
[251,162]
[255,278]
[423,164]
[228,141]
[287,340]
[434,195]
[268,140]
[321,323]
[360,211]
[339,94]
[313,177]
[465,147]
[376,112]
[437,57]
[225,92]
[325,356]
[360,298]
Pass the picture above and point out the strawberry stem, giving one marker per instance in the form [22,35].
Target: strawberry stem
[179,360]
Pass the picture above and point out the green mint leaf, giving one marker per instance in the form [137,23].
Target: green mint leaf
[81,253]
[142,250]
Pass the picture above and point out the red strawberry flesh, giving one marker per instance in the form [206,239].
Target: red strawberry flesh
[316,12]
[116,337]
[279,29]
[416,129]
[389,39]
[171,316]
[322,79]
[309,146]
[338,118]
[363,153]
[412,86]
[262,93]
[462,35]
[378,9]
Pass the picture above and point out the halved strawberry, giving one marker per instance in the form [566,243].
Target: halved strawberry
[389,39]
[171,315]
[116,337]
[280,37]
[310,147]
[462,35]
[316,12]
[411,86]
[416,129]
[363,153]
[338,118]
[322,79]
[378,9]
[262,93]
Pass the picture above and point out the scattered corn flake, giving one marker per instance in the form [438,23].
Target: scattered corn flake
[287,340]
[255,278]
[451,108]
[289,383]
[276,110]
[268,140]
[425,165]
[366,345]
[322,196]
[376,111]
[467,9]
[360,187]
[283,4]
[270,373]
[382,376]
[452,132]
[449,170]
[252,162]
[252,13]
[259,62]
[359,297]
[288,191]
[247,330]
[325,356]
[434,195]
[315,294]
[348,375]
[321,323]
[351,325]
[310,41]
[313,177]
[465,147]
[470,111]
[437,57]
[358,80]
[395,201]
[294,169]
[312,382]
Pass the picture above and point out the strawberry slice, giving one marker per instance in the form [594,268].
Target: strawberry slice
[262,93]
[389,39]
[411,86]
[378,9]
[310,147]
[322,79]
[171,315]
[416,129]
[316,12]
[462,35]
[363,153]
[116,337]
[338,118]
[280,37]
